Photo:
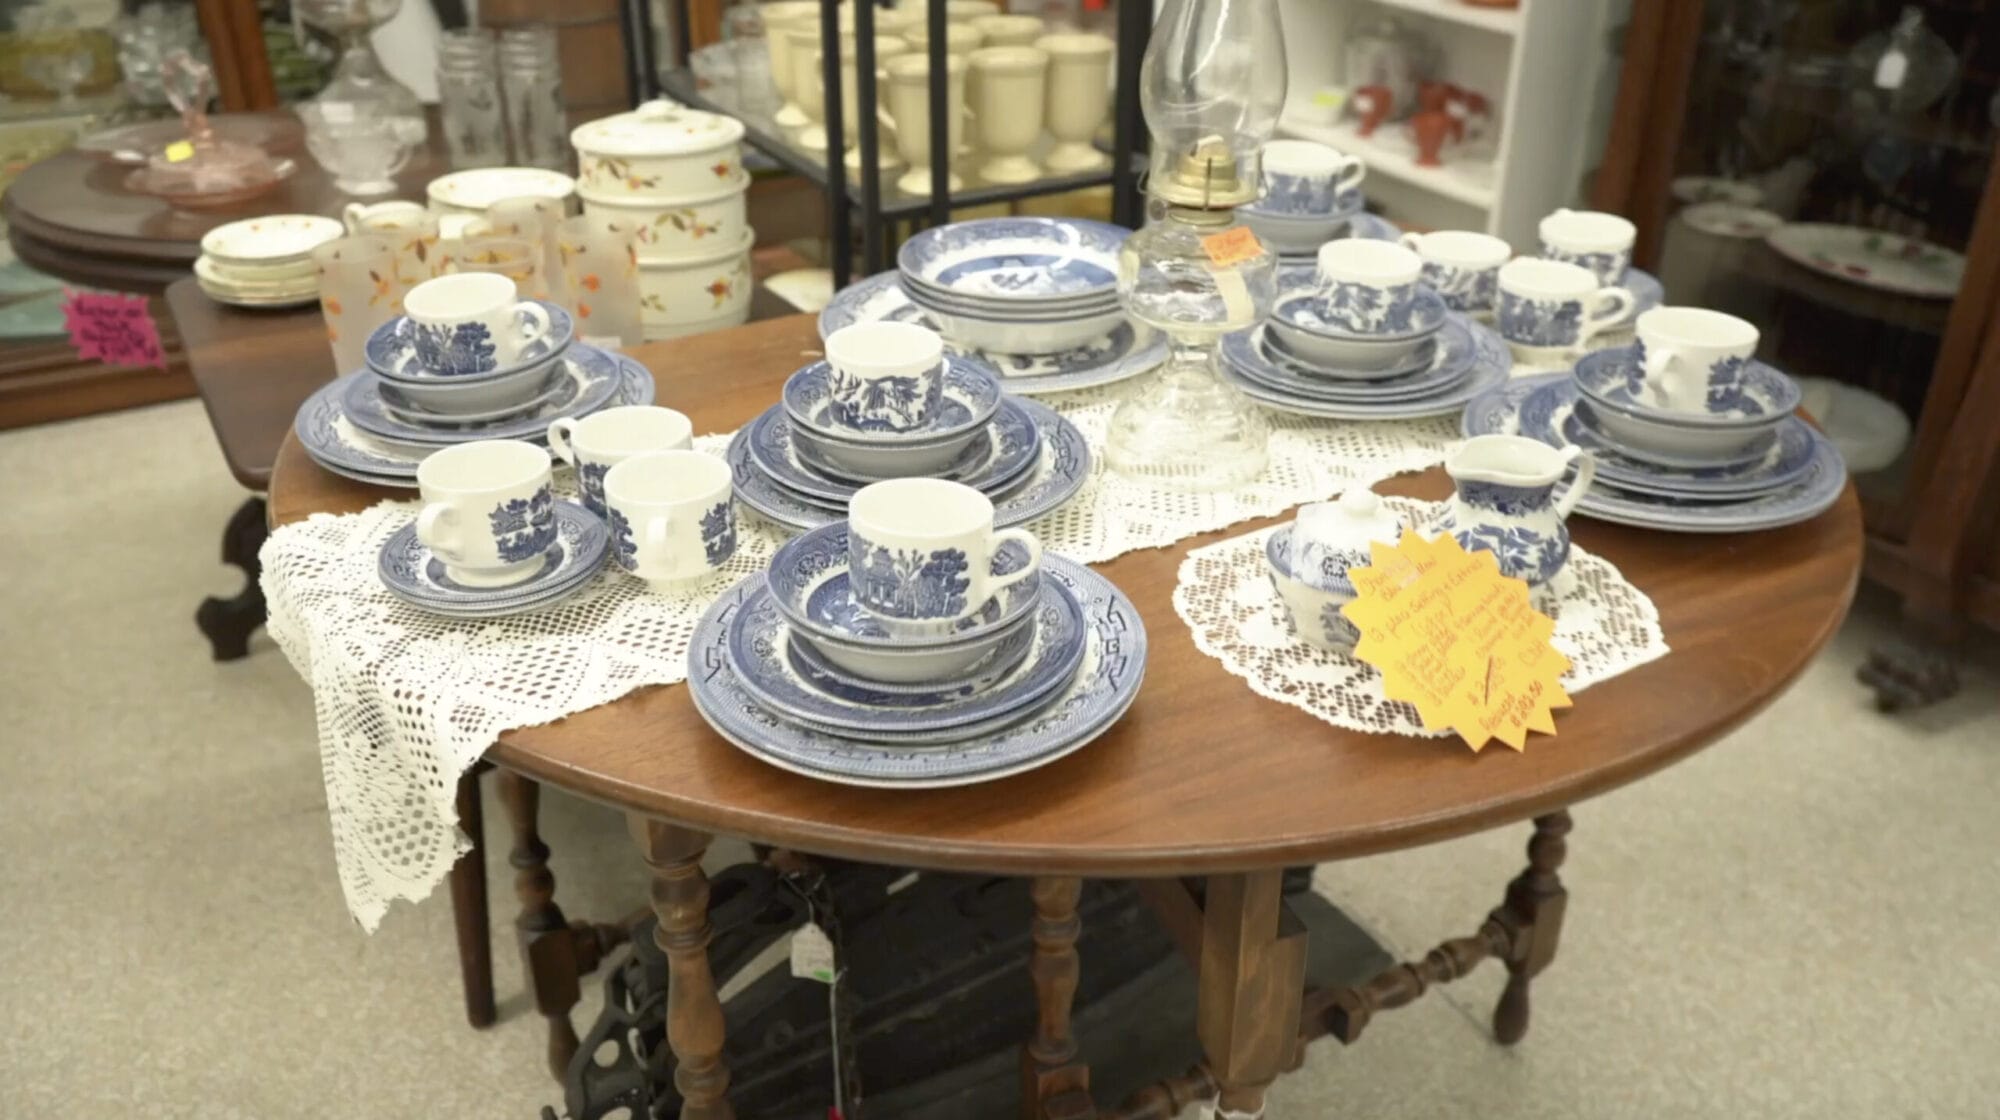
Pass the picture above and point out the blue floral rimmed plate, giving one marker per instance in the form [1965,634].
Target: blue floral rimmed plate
[756,652]
[336,444]
[1302,310]
[1104,687]
[587,378]
[1752,395]
[1442,362]
[1060,471]
[1124,353]
[815,669]
[1016,260]
[993,461]
[415,575]
[390,353]
[417,414]
[1491,362]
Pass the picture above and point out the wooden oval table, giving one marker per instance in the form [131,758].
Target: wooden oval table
[1201,778]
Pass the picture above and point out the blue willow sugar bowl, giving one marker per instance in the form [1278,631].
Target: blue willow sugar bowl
[1309,561]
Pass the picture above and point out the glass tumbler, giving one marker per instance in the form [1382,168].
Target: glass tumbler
[535,218]
[358,292]
[475,131]
[600,261]
[517,260]
[531,83]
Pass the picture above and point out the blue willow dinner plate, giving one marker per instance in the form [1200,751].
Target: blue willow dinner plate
[1005,260]
[1441,362]
[390,349]
[336,444]
[588,378]
[994,460]
[1061,469]
[756,652]
[1499,411]
[415,575]
[1114,665]
[1126,352]
[1491,362]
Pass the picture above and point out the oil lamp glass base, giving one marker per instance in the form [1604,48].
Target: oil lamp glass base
[1186,430]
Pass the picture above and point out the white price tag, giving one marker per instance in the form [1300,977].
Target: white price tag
[812,954]
[1890,70]
[1236,301]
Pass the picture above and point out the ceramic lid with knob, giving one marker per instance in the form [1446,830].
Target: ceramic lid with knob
[1330,537]
[657,128]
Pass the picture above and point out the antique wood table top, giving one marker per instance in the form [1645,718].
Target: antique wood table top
[1202,775]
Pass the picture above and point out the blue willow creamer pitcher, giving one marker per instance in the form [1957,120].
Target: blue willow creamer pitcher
[1505,502]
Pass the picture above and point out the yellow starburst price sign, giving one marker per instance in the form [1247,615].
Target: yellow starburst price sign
[1458,640]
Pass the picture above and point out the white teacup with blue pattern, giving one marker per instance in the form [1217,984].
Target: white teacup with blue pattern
[489,513]
[1551,306]
[920,553]
[1461,266]
[604,439]
[1692,355]
[1367,286]
[470,322]
[887,377]
[671,516]
[1591,239]
[1306,179]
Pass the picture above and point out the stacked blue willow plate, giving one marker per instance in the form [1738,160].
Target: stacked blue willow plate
[1299,362]
[1743,463]
[796,467]
[376,424]
[789,667]
[1301,235]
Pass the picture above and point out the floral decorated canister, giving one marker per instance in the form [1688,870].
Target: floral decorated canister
[678,230]
[661,151]
[702,293]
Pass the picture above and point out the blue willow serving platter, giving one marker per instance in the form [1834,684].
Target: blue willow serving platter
[587,378]
[1498,412]
[981,466]
[1126,352]
[336,444]
[1114,664]
[1490,362]
[1003,260]
[756,653]
[389,348]
[415,575]
[1061,470]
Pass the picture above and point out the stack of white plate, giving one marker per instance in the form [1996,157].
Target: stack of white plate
[677,174]
[264,262]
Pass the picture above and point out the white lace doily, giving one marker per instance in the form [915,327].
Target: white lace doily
[1604,625]
[407,701]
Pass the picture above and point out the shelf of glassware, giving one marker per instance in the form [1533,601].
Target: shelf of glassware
[1465,179]
[1504,21]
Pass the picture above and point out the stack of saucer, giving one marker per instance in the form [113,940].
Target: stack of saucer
[1017,285]
[890,403]
[800,667]
[1421,360]
[1733,459]
[377,424]
[264,262]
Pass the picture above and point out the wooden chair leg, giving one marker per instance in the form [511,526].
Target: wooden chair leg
[695,1026]
[1533,912]
[1252,983]
[468,906]
[1054,1085]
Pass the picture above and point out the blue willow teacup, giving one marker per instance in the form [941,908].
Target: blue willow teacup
[1551,305]
[1461,266]
[1589,239]
[1368,287]
[921,553]
[885,377]
[1306,179]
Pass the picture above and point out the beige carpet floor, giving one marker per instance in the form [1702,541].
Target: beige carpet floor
[1800,922]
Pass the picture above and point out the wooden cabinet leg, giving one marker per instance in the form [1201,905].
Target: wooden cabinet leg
[1533,912]
[1054,1085]
[1252,983]
[228,623]
[695,1027]
[468,905]
[548,950]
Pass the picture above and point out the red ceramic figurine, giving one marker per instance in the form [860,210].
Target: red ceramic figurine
[1372,105]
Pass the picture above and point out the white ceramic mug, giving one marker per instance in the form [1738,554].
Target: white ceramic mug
[1078,98]
[908,114]
[470,322]
[1306,178]
[670,515]
[1007,88]
[1686,351]
[886,376]
[1368,286]
[1549,305]
[602,440]
[1593,239]
[489,512]
[921,551]
[1461,266]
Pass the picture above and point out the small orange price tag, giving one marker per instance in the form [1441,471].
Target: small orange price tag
[1232,246]
[179,150]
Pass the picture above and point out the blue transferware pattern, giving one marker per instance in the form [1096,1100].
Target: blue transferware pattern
[969,393]
[590,480]
[392,350]
[1540,322]
[1104,687]
[809,577]
[908,583]
[883,404]
[1439,363]
[1373,227]
[1334,626]
[1558,416]
[1422,314]
[1738,391]
[1061,469]
[334,443]
[1815,489]
[1371,309]
[718,533]
[414,574]
[800,468]
[1521,552]
[1298,196]
[524,527]
[586,378]
[1126,352]
[757,652]
[410,412]
[812,667]
[1463,289]
[1014,259]
[1607,267]
[1490,364]
[451,350]
[623,545]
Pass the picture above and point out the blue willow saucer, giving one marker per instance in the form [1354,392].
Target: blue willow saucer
[1549,414]
[993,461]
[1491,363]
[390,352]
[971,396]
[414,574]
[1303,311]
[587,379]
[1440,363]
[808,580]
[813,667]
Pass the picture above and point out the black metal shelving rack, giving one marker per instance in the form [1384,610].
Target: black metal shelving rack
[868,207]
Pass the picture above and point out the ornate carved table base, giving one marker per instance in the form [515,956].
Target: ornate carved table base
[228,623]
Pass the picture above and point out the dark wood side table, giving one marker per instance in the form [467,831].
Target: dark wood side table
[1202,778]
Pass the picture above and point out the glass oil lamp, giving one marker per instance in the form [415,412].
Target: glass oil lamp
[1212,85]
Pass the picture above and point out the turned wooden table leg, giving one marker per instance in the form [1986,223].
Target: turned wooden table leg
[1054,1085]
[468,905]
[695,1027]
[1533,912]
[1252,983]
[548,949]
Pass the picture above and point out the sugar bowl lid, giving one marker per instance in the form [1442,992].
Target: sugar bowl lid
[1330,537]
[657,128]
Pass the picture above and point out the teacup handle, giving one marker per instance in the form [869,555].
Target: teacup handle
[561,432]
[1410,241]
[536,319]
[1034,564]
[658,529]
[1658,359]
[1613,304]
[352,215]
[434,529]
[1586,472]
[1349,176]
